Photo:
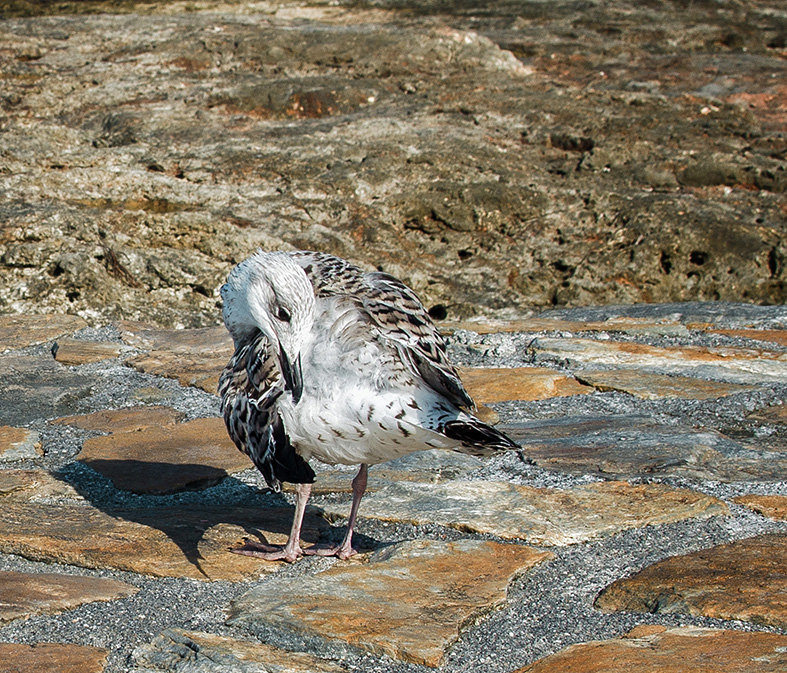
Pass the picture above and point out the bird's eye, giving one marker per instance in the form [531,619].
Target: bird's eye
[283,314]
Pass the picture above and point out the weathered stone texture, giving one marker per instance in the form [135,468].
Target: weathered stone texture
[489,385]
[537,515]
[77,352]
[38,387]
[494,159]
[174,542]
[679,650]
[25,594]
[18,444]
[20,331]
[649,386]
[774,506]
[415,596]
[195,357]
[44,519]
[183,651]
[19,658]
[633,445]
[166,458]
[742,580]
[743,365]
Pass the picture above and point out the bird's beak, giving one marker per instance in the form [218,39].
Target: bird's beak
[293,376]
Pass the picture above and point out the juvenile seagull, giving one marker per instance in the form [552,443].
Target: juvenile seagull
[337,364]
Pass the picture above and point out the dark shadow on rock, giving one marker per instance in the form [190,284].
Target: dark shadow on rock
[186,523]
[156,478]
[260,514]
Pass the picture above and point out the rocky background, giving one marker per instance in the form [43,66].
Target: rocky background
[497,156]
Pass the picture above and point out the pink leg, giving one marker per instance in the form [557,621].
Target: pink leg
[292,550]
[345,549]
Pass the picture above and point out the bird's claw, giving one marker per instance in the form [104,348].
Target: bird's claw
[269,552]
[342,552]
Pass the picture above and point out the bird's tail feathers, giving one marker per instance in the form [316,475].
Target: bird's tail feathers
[478,438]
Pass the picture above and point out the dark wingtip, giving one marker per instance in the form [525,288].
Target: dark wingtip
[475,433]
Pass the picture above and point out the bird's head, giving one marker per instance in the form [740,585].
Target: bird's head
[271,293]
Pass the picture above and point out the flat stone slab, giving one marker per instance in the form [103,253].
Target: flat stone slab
[655,649]
[743,365]
[774,506]
[76,352]
[629,446]
[648,386]
[37,387]
[18,444]
[537,515]
[179,650]
[18,658]
[195,357]
[21,331]
[744,580]
[185,541]
[36,486]
[166,458]
[489,385]
[124,420]
[26,594]
[408,601]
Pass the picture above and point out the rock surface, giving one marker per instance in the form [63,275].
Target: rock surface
[180,650]
[19,658]
[25,594]
[660,650]
[536,515]
[627,446]
[18,444]
[494,157]
[166,458]
[406,601]
[744,580]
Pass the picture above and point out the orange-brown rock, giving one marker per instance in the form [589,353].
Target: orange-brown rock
[195,649]
[415,597]
[774,506]
[489,385]
[25,594]
[35,486]
[18,658]
[537,515]
[648,386]
[195,357]
[76,352]
[18,443]
[20,331]
[744,580]
[678,650]
[168,542]
[165,458]
[124,420]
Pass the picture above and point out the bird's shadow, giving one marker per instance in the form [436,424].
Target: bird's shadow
[185,516]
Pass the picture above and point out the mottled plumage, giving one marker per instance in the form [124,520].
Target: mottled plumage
[338,364]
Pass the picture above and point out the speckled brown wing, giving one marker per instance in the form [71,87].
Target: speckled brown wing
[396,312]
[250,387]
